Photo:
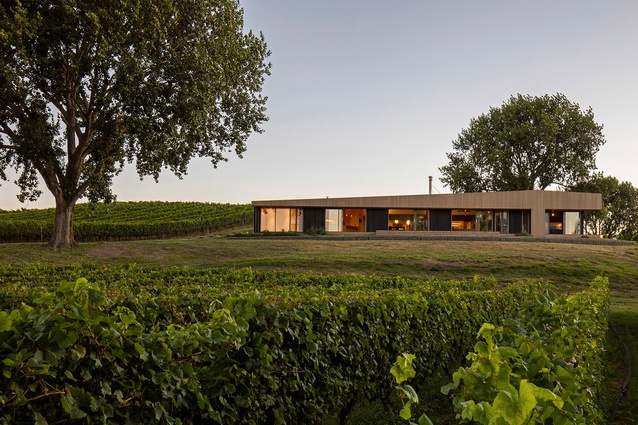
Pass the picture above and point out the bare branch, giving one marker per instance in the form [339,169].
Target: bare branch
[7,130]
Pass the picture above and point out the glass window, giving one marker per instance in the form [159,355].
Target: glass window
[484,221]
[463,219]
[334,220]
[554,222]
[571,223]
[354,220]
[501,222]
[281,219]
[421,220]
[268,219]
[400,219]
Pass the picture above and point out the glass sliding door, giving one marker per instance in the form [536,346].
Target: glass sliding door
[354,220]
[501,222]
[400,220]
[554,222]
[563,222]
[463,219]
[572,223]
[334,220]
[421,220]
[484,222]
[281,219]
[267,220]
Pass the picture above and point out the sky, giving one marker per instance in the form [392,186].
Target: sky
[366,96]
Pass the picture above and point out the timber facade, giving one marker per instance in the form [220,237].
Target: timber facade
[537,213]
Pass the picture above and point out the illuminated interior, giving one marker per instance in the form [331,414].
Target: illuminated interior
[484,221]
[463,220]
[563,222]
[554,222]
[334,220]
[407,219]
[354,220]
[281,219]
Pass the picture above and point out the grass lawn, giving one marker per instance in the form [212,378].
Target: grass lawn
[568,266]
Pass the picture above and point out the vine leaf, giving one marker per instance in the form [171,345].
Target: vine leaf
[516,408]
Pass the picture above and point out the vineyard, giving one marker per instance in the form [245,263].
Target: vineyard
[127,344]
[126,221]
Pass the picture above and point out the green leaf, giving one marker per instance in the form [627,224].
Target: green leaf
[424,420]
[5,321]
[39,419]
[546,395]
[279,416]
[409,392]
[514,409]
[402,369]
[405,412]
[96,298]
[486,328]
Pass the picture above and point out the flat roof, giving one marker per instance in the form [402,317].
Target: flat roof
[520,199]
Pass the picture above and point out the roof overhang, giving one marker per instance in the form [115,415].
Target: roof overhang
[522,199]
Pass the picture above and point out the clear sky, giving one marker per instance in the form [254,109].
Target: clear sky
[366,96]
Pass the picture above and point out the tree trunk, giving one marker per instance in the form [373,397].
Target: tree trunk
[63,226]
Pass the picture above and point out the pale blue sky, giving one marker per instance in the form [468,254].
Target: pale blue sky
[365,97]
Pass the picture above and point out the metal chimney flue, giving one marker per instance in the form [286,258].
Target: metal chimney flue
[430,178]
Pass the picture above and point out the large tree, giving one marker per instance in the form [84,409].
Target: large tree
[89,85]
[619,216]
[528,143]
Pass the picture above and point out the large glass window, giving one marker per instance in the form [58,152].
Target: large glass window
[421,220]
[571,223]
[484,221]
[501,222]
[400,219]
[334,220]
[563,222]
[281,219]
[354,220]
[554,222]
[463,219]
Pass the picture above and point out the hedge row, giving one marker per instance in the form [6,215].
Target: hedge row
[287,353]
[21,284]
[544,366]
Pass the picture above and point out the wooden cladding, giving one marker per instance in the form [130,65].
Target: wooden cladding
[314,218]
[441,220]
[514,200]
[377,219]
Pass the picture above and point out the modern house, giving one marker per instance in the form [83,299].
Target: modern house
[535,212]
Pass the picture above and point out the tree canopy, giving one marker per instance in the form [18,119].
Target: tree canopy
[529,143]
[87,86]
[619,216]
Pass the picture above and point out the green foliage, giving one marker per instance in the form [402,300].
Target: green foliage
[314,232]
[126,220]
[545,366]
[402,371]
[88,86]
[619,215]
[528,143]
[225,346]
